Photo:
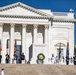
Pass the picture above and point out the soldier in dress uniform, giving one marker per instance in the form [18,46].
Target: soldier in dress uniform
[22,58]
[67,59]
[74,60]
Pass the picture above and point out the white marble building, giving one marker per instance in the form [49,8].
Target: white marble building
[35,31]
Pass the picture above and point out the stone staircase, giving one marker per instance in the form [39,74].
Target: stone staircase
[28,69]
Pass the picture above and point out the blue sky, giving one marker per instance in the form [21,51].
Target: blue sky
[53,5]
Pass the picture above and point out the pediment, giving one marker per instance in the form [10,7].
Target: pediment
[21,9]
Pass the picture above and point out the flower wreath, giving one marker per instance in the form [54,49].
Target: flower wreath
[41,56]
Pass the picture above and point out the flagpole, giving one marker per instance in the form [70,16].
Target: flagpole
[0,47]
[15,47]
[7,47]
[59,50]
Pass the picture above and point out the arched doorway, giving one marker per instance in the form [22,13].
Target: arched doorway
[60,49]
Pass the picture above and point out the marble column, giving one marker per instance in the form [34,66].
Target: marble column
[35,33]
[24,39]
[2,44]
[71,42]
[33,60]
[35,38]
[11,41]
[46,44]
[46,34]
[50,38]
[1,31]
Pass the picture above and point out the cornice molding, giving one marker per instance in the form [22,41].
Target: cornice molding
[39,17]
[24,17]
[64,20]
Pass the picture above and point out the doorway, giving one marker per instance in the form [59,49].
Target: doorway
[60,53]
[60,49]
[18,53]
[18,50]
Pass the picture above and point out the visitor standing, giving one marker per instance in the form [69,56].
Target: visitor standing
[2,71]
[7,58]
[53,59]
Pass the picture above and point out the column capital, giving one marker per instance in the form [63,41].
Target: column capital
[1,24]
[35,25]
[12,24]
[24,25]
[46,26]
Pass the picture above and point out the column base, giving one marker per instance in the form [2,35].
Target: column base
[46,61]
[11,61]
[3,61]
[33,61]
[23,62]
[14,61]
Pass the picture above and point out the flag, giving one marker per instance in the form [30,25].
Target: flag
[0,46]
[67,49]
[7,46]
[15,47]
[74,49]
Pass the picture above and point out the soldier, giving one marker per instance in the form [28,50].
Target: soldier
[15,58]
[22,58]
[67,59]
[74,60]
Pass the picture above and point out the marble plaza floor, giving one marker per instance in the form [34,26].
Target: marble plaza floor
[28,69]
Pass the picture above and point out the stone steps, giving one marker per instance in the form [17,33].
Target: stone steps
[28,69]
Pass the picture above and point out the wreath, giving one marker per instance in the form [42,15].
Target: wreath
[41,56]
